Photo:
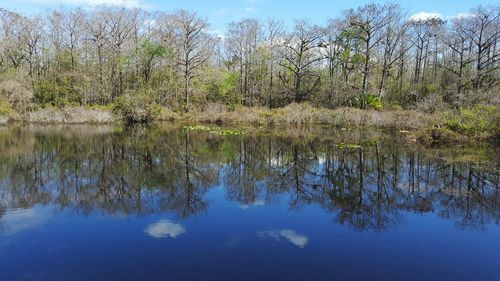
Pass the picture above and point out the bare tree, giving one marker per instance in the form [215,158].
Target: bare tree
[242,40]
[332,52]
[192,46]
[300,54]
[424,30]
[394,32]
[482,27]
[458,54]
[275,33]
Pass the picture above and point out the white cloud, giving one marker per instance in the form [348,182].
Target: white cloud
[257,202]
[250,9]
[164,228]
[299,240]
[20,220]
[120,3]
[425,15]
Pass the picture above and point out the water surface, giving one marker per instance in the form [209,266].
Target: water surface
[107,203]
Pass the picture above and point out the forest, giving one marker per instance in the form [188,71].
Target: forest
[138,62]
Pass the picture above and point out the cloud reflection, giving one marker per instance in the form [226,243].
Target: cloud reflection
[255,203]
[299,240]
[164,228]
[19,220]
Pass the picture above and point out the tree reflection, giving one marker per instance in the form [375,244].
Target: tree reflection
[142,171]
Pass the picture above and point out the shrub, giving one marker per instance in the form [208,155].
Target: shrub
[54,93]
[5,109]
[436,136]
[18,96]
[138,107]
[369,101]
[474,120]
[431,104]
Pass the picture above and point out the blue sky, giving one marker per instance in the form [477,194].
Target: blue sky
[220,12]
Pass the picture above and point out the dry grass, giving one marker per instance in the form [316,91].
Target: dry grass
[305,114]
[71,115]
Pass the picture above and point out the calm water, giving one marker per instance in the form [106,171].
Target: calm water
[104,203]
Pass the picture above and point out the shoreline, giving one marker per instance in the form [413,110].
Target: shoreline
[420,127]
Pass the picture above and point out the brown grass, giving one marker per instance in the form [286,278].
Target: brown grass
[71,115]
[305,114]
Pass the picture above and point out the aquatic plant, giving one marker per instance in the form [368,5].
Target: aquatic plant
[348,146]
[214,131]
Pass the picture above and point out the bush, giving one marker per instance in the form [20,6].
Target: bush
[5,109]
[220,88]
[436,136]
[369,101]
[138,107]
[431,104]
[54,93]
[474,120]
[18,96]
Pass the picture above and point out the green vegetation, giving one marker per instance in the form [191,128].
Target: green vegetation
[5,108]
[221,132]
[196,128]
[368,101]
[137,107]
[348,146]
[480,119]
[372,66]
[214,131]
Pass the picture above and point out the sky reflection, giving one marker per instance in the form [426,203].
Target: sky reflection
[165,229]
[19,220]
[299,240]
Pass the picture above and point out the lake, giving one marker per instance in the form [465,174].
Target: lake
[165,203]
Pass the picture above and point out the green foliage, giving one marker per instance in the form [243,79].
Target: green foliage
[221,89]
[153,50]
[429,88]
[348,146]
[5,108]
[138,107]
[214,131]
[474,120]
[56,93]
[196,128]
[369,101]
[221,132]
[63,59]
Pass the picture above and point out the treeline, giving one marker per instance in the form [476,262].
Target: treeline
[366,57]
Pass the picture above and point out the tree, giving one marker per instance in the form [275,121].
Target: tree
[424,30]
[332,52]
[482,27]
[394,32]
[192,47]
[275,32]
[369,21]
[300,54]
[243,38]
[458,55]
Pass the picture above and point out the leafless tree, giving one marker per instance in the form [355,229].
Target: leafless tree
[192,45]
[301,52]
